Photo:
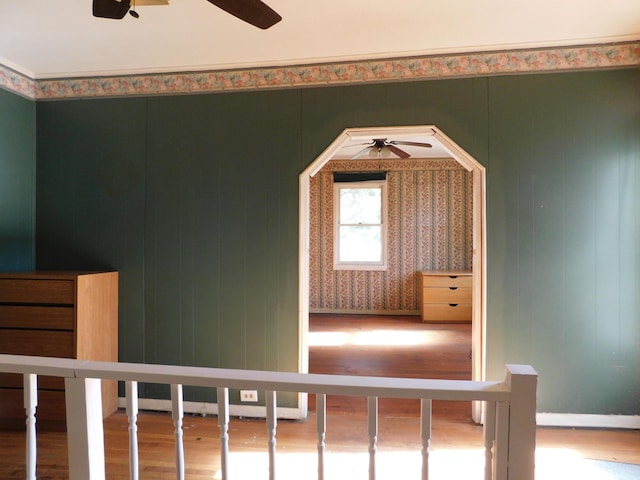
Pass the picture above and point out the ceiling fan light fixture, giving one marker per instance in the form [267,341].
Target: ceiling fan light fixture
[111,8]
[383,148]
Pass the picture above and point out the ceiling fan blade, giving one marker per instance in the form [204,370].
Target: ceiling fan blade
[111,8]
[254,12]
[361,153]
[413,144]
[397,151]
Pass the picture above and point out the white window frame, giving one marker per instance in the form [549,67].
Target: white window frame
[382,264]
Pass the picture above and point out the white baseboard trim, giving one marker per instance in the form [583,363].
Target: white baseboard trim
[574,420]
[204,408]
[337,311]
[588,420]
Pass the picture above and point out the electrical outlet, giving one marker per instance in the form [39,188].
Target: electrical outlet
[248,395]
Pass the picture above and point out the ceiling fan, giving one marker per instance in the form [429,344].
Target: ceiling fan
[254,12]
[379,146]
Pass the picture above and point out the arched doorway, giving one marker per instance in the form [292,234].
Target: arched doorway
[419,134]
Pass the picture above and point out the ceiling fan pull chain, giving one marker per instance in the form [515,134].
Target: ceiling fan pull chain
[133,12]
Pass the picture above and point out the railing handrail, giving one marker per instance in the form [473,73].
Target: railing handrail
[509,428]
[388,387]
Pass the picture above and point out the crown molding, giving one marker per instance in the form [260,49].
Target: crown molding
[506,62]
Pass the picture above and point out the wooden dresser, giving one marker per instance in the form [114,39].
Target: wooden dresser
[445,296]
[56,314]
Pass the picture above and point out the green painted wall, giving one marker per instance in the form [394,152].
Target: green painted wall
[194,199]
[17,182]
[91,199]
[196,206]
[564,236]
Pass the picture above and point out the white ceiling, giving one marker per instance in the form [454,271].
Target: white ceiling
[354,146]
[60,38]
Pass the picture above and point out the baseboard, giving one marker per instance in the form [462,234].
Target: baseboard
[204,409]
[573,420]
[337,311]
[588,420]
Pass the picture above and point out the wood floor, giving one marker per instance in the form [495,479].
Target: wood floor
[358,345]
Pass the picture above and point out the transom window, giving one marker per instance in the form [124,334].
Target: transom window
[360,233]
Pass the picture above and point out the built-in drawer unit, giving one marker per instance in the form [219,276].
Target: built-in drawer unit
[445,295]
[56,314]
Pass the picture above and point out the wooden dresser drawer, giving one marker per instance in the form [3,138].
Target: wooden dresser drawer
[37,317]
[51,406]
[445,312]
[15,380]
[446,295]
[32,291]
[43,343]
[447,281]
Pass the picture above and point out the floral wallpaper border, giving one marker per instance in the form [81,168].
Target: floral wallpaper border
[17,83]
[606,56]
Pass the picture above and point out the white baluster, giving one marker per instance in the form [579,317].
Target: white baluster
[425,434]
[489,438]
[522,380]
[177,413]
[272,421]
[501,448]
[321,427]
[131,393]
[30,381]
[223,423]
[372,409]
[85,432]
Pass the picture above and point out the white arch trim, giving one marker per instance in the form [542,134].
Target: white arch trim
[479,239]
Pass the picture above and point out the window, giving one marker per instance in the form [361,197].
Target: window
[360,233]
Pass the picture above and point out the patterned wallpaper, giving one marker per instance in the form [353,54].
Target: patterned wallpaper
[430,227]
[505,62]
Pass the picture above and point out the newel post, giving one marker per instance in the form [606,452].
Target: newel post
[522,380]
[85,435]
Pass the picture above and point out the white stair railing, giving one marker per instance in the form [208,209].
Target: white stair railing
[177,414]
[372,421]
[131,392]
[509,427]
[425,434]
[30,405]
[271,431]
[321,430]
[223,424]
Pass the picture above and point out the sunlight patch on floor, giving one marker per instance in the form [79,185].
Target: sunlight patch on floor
[353,465]
[373,338]
[564,463]
[551,464]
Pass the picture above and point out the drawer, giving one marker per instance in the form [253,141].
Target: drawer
[43,343]
[444,312]
[446,295]
[447,280]
[32,291]
[39,317]
[15,380]
[51,406]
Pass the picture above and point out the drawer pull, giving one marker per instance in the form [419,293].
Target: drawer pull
[453,288]
[453,276]
[453,304]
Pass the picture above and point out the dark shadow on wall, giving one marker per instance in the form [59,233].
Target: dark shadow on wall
[62,256]
[16,253]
